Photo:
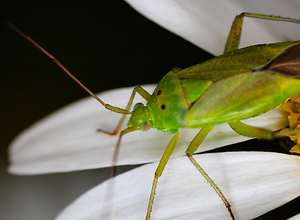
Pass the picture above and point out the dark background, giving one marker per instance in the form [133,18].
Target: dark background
[106,45]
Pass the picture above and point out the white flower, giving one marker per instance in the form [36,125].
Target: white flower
[67,140]
[247,180]
[254,183]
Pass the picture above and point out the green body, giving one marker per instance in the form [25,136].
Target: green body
[234,86]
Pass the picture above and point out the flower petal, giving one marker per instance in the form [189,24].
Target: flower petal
[296,217]
[207,26]
[253,182]
[67,139]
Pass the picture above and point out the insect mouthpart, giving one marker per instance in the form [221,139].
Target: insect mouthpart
[140,118]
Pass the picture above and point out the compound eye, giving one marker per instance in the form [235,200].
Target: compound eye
[145,126]
[138,105]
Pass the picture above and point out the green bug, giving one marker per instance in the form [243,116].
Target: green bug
[239,84]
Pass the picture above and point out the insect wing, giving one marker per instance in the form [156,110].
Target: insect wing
[236,62]
[242,95]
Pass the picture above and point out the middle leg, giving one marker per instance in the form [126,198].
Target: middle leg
[189,152]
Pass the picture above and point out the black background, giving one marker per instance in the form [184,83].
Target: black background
[106,45]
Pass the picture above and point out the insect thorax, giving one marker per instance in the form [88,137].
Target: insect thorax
[167,105]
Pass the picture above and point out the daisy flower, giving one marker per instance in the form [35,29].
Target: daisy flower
[253,182]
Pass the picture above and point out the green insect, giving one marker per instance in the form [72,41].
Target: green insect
[239,84]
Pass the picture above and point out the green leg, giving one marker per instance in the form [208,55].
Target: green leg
[259,133]
[138,90]
[189,152]
[251,131]
[160,169]
[234,36]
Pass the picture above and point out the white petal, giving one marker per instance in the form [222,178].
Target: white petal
[67,139]
[207,23]
[253,182]
[296,217]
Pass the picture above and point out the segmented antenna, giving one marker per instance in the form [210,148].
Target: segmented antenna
[112,108]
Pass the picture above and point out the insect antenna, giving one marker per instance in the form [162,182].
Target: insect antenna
[109,107]
[113,169]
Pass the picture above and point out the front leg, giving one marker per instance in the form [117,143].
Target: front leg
[138,90]
[160,168]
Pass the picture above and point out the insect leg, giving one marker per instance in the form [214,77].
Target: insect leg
[259,133]
[251,131]
[234,36]
[138,90]
[189,152]
[160,168]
